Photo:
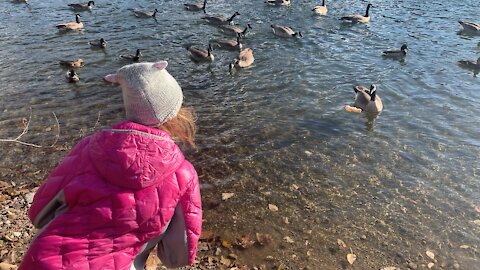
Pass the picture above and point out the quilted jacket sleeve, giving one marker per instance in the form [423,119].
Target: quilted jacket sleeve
[55,181]
[191,205]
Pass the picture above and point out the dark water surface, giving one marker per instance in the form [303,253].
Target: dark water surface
[391,188]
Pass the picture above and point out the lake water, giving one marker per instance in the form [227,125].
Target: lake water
[391,187]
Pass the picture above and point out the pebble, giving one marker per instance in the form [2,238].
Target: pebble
[29,197]
[456,266]
[412,266]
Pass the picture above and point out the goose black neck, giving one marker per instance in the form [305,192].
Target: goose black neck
[77,18]
[373,96]
[231,18]
[137,55]
[154,13]
[323,3]
[204,4]
[368,9]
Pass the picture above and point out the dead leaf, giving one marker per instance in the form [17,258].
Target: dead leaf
[226,244]
[288,239]
[430,254]
[245,242]
[225,261]
[351,258]
[285,220]
[341,243]
[228,195]
[294,187]
[477,209]
[152,262]
[7,266]
[477,222]
[430,265]
[206,235]
[390,268]
[272,207]
[263,238]
[464,246]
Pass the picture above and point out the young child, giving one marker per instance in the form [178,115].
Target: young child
[122,191]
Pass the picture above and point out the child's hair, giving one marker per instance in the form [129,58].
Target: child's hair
[182,127]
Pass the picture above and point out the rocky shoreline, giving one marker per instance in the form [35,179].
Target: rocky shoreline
[17,231]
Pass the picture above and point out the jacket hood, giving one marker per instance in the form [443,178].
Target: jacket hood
[134,156]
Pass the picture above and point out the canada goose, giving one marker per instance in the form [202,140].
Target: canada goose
[133,57]
[470,27]
[394,53]
[234,30]
[101,44]
[201,55]
[279,2]
[220,20]
[357,18]
[470,64]
[245,59]
[82,6]
[321,10]
[73,63]
[72,76]
[367,99]
[196,7]
[227,44]
[71,25]
[284,31]
[145,14]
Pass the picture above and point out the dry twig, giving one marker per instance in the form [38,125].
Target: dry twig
[25,130]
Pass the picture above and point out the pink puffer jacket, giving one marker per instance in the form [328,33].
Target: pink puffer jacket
[121,187]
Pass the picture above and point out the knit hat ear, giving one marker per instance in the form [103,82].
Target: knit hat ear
[160,65]
[113,78]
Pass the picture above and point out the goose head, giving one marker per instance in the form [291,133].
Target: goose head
[404,48]
[233,16]
[368,9]
[91,3]
[77,18]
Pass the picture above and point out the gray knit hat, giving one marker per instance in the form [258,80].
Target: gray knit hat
[151,95]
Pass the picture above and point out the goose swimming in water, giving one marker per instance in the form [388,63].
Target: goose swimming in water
[284,31]
[101,44]
[367,99]
[72,63]
[470,27]
[234,30]
[72,76]
[145,14]
[196,7]
[133,57]
[245,59]
[395,53]
[71,25]
[470,64]
[220,20]
[201,55]
[82,6]
[357,18]
[278,2]
[227,44]
[321,9]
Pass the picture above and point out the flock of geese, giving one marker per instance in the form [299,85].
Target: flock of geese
[366,99]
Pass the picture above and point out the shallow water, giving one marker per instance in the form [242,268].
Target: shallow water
[391,187]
